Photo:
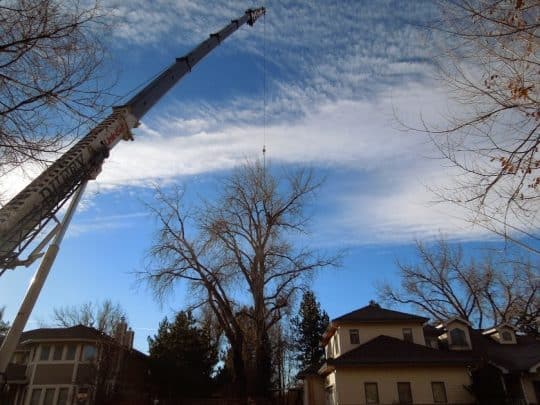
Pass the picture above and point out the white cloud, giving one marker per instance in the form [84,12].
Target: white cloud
[331,104]
[104,223]
[389,199]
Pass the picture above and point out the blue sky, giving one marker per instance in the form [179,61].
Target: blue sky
[340,79]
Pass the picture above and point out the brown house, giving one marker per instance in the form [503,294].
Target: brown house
[379,356]
[76,365]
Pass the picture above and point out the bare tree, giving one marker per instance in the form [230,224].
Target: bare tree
[493,69]
[4,326]
[50,58]
[104,316]
[444,283]
[240,256]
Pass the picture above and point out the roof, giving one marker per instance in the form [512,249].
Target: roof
[512,357]
[79,332]
[388,350]
[374,313]
[432,331]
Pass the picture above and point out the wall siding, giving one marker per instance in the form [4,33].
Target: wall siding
[350,383]
[367,332]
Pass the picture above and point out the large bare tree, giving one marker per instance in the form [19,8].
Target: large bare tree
[443,282]
[492,66]
[104,316]
[50,59]
[240,254]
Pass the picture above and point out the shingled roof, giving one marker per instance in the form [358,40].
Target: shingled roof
[374,313]
[74,332]
[513,357]
[388,350]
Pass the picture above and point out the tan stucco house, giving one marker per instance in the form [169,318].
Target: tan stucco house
[379,356]
[76,365]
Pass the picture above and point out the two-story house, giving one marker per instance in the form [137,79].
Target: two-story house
[379,356]
[76,365]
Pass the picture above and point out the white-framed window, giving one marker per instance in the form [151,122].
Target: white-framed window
[57,352]
[372,392]
[49,395]
[407,335]
[20,358]
[354,336]
[71,350]
[63,394]
[44,352]
[439,392]
[35,396]
[458,338]
[89,353]
[506,336]
[404,393]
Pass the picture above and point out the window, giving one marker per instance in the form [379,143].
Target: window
[355,338]
[45,352]
[404,392]
[62,396]
[372,393]
[20,358]
[49,396]
[36,396]
[57,352]
[439,392]
[457,336]
[89,353]
[70,352]
[506,336]
[407,335]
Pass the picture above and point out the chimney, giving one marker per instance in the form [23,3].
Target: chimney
[130,335]
[121,330]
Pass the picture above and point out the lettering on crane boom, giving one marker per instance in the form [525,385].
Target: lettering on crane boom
[75,168]
[56,183]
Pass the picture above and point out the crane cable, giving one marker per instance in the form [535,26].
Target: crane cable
[264,93]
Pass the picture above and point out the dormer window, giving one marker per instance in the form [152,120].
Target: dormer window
[458,338]
[354,336]
[506,336]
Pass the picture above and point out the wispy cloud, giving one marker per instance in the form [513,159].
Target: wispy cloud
[338,73]
[104,223]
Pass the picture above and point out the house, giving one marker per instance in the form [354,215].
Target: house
[76,365]
[379,356]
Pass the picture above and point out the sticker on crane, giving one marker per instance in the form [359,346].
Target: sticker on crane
[116,133]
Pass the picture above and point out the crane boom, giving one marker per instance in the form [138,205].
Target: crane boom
[25,216]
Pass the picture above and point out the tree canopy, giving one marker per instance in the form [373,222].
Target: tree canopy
[104,316]
[444,282]
[309,326]
[491,66]
[241,241]
[183,356]
[4,325]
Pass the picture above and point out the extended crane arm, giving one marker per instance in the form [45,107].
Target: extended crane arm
[23,218]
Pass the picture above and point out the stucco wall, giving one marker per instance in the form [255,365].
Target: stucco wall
[350,384]
[367,332]
[314,390]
